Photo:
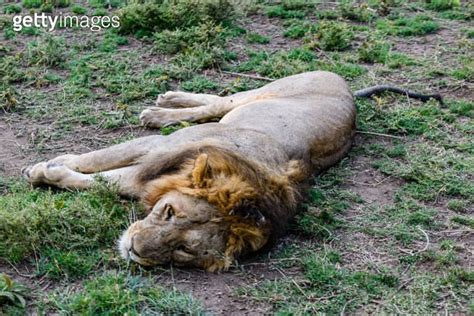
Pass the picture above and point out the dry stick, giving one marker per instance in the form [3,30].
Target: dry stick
[379,134]
[427,240]
[237,74]
[294,282]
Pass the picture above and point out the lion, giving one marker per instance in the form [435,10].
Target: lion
[220,190]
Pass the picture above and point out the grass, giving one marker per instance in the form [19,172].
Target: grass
[386,230]
[119,294]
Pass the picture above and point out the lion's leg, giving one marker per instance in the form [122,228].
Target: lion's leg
[178,99]
[113,157]
[215,109]
[59,175]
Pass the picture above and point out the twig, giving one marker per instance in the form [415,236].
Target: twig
[237,74]
[294,282]
[427,240]
[379,134]
[345,305]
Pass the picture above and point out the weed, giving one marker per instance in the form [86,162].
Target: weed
[466,72]
[77,9]
[199,84]
[111,41]
[37,220]
[463,220]
[327,14]
[8,98]
[298,29]
[119,294]
[253,37]
[11,9]
[324,279]
[442,5]
[408,26]
[11,293]
[280,11]
[374,50]
[333,36]
[100,12]
[106,3]
[66,264]
[47,8]
[29,4]
[397,60]
[206,35]
[462,108]
[48,51]
[356,12]
[146,18]
[459,206]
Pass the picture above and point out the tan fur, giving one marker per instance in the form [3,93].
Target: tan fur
[218,190]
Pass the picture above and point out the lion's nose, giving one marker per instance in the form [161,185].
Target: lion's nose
[132,250]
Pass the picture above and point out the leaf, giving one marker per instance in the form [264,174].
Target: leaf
[7,295]
[21,300]
[8,281]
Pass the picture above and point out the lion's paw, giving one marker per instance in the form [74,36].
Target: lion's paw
[156,117]
[56,172]
[34,174]
[46,173]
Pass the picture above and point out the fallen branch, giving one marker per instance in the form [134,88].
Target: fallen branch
[238,74]
[379,134]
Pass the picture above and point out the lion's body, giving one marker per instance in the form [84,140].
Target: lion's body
[304,122]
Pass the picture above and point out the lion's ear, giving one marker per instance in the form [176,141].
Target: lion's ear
[200,170]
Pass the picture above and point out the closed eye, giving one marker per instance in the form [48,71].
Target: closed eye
[168,212]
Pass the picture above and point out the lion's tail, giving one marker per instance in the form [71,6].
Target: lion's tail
[370,91]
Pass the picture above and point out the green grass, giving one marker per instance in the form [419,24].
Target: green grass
[408,26]
[253,37]
[359,242]
[12,295]
[119,294]
[12,8]
[77,9]
[37,221]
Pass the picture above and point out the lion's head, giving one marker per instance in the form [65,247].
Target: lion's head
[205,212]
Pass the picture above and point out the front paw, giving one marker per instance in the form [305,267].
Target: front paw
[46,173]
[34,174]
[157,117]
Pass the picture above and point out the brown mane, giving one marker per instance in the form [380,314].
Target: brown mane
[231,183]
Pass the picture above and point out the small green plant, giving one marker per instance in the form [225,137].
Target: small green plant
[47,51]
[11,293]
[120,294]
[100,12]
[374,50]
[253,37]
[356,12]
[77,9]
[408,26]
[442,5]
[206,36]
[333,36]
[298,29]
[29,4]
[12,8]
[199,84]
[47,8]
[280,11]
[463,220]
[146,18]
